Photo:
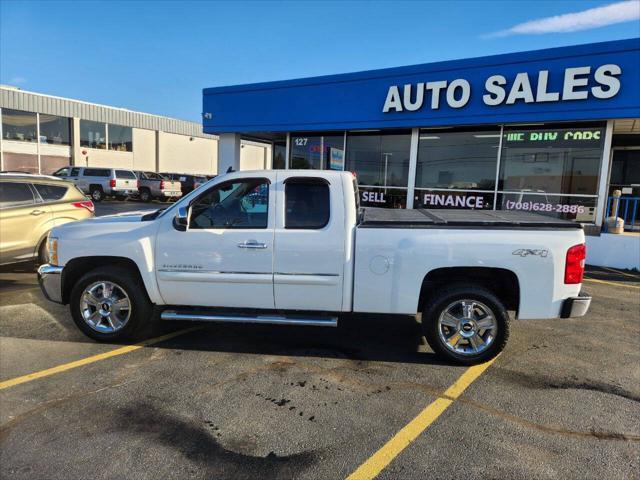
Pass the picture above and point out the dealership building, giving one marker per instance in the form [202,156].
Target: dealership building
[42,133]
[554,131]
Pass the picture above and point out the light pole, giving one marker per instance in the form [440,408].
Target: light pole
[386,164]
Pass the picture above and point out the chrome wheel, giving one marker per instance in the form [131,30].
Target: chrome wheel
[467,327]
[105,307]
[96,195]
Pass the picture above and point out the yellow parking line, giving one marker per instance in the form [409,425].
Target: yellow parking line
[92,359]
[616,284]
[401,440]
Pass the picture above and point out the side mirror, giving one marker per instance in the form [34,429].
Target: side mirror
[181,220]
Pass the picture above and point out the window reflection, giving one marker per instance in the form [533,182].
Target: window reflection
[93,134]
[552,160]
[19,125]
[313,151]
[379,159]
[457,159]
[120,138]
[279,155]
[54,130]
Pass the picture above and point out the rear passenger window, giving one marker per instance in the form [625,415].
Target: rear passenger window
[96,172]
[307,204]
[125,174]
[50,193]
[14,194]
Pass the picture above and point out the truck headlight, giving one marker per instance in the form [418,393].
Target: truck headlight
[52,250]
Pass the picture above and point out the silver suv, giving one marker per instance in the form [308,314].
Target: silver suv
[101,182]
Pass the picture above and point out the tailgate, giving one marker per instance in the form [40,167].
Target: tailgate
[129,184]
[172,186]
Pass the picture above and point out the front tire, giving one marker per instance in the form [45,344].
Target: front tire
[110,304]
[465,323]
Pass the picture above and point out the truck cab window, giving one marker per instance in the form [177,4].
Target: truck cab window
[235,204]
[307,204]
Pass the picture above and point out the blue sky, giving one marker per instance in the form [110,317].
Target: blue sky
[158,56]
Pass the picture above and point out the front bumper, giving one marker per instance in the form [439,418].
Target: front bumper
[50,281]
[576,306]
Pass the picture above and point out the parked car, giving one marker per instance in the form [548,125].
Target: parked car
[102,182]
[153,185]
[30,206]
[216,255]
[188,182]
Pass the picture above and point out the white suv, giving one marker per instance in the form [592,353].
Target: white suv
[100,182]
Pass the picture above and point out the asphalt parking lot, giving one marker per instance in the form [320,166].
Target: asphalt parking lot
[249,401]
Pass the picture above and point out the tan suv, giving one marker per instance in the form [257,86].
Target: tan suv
[30,206]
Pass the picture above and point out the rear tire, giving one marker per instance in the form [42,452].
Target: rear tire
[110,304]
[465,323]
[145,195]
[97,195]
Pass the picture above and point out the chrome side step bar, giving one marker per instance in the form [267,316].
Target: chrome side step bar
[315,321]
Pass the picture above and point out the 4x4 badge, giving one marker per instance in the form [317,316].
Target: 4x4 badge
[524,252]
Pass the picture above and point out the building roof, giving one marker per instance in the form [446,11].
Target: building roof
[14,98]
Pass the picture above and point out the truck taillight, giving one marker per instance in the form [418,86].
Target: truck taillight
[574,268]
[112,183]
[161,184]
[88,204]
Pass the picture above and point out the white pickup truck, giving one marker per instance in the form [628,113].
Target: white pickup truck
[293,247]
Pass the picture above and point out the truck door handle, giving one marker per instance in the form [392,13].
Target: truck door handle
[37,212]
[252,244]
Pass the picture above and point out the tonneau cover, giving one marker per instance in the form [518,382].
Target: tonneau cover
[428,218]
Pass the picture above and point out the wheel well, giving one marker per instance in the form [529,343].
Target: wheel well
[77,267]
[41,242]
[95,186]
[503,283]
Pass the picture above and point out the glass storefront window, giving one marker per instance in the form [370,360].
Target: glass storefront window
[55,130]
[564,160]
[93,134]
[383,197]
[625,172]
[120,138]
[279,155]
[464,160]
[314,151]
[380,158]
[19,125]
[581,209]
[458,199]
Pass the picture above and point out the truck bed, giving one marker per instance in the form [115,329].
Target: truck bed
[371,217]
